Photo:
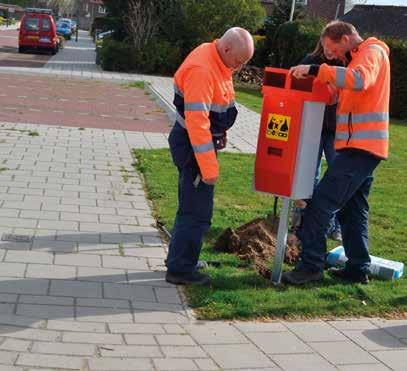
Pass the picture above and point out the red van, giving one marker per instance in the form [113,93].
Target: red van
[38,31]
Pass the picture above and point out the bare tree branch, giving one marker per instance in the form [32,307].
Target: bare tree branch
[63,6]
[141,21]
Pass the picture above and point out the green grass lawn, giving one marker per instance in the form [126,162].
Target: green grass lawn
[239,291]
[250,97]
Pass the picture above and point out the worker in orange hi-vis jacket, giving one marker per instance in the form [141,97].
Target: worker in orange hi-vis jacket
[361,142]
[205,110]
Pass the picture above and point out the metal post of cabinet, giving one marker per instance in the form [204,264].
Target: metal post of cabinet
[281,242]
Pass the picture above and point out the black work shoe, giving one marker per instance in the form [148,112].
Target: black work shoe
[350,276]
[189,278]
[301,277]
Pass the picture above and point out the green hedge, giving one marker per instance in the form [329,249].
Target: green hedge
[117,56]
[158,56]
[398,58]
[293,41]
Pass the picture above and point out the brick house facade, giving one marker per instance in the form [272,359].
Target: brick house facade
[89,9]
[327,9]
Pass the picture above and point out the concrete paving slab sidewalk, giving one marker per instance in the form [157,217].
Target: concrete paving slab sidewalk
[82,287]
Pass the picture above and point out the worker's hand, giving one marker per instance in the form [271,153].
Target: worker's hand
[210,181]
[301,204]
[301,71]
[221,142]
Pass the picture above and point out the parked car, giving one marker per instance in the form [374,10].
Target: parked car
[64,29]
[38,31]
[69,21]
[74,26]
[101,36]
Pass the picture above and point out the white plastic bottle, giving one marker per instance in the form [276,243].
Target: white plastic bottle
[379,267]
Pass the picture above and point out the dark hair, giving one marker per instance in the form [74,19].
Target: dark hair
[318,54]
[319,50]
[336,29]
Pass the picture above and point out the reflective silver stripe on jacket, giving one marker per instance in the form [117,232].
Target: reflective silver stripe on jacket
[340,77]
[360,118]
[368,134]
[196,107]
[199,106]
[358,83]
[379,48]
[221,108]
[203,147]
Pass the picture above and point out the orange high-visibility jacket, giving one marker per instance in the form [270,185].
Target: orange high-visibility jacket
[204,99]
[363,111]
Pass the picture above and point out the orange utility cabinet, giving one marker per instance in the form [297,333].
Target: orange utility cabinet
[290,134]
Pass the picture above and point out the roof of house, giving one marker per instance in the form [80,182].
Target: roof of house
[381,20]
[8,6]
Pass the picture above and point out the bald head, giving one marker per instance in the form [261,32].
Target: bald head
[235,47]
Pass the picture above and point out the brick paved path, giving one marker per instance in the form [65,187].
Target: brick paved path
[91,104]
[85,290]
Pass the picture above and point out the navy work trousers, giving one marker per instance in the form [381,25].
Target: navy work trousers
[193,219]
[343,190]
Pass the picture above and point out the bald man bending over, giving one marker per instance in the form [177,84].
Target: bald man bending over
[205,110]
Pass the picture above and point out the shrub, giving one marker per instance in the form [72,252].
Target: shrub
[398,57]
[117,56]
[294,40]
[261,52]
[188,23]
[158,56]
[183,25]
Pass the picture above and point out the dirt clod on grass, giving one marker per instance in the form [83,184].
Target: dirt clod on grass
[256,241]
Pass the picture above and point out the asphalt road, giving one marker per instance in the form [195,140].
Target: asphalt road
[9,56]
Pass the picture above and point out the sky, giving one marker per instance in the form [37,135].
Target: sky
[387,2]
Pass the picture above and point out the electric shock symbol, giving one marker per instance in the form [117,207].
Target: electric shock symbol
[278,127]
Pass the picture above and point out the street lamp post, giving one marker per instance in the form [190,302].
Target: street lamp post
[77,20]
[292,10]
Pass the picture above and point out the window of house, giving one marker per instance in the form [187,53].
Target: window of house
[102,9]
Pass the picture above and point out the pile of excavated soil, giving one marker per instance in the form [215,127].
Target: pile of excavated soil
[257,241]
